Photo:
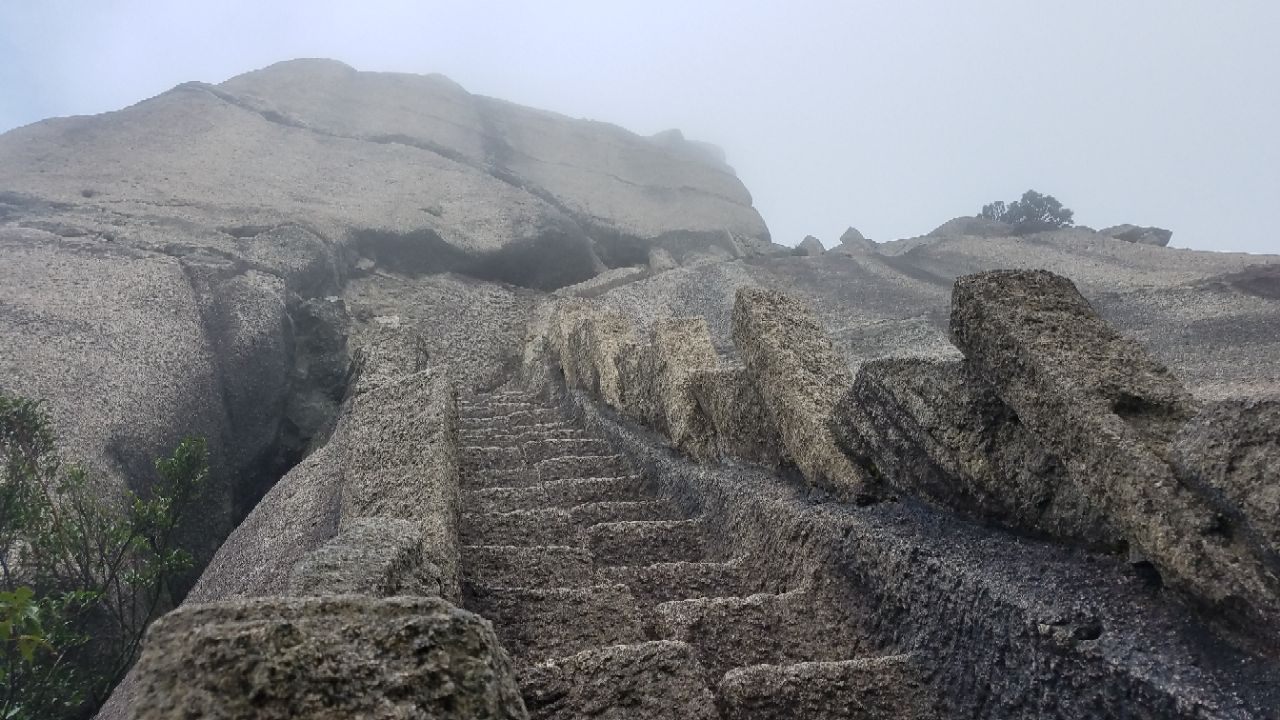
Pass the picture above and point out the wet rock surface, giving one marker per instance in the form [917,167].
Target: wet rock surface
[396,658]
[1099,402]
[931,429]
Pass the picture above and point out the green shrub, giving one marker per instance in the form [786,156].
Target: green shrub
[80,576]
[1034,212]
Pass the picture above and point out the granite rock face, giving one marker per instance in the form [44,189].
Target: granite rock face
[930,429]
[337,657]
[1098,401]
[1230,454]
[169,268]
[800,377]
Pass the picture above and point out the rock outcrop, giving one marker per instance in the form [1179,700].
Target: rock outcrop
[810,246]
[1098,401]
[1140,235]
[169,268]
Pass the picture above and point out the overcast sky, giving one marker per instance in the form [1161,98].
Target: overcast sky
[890,116]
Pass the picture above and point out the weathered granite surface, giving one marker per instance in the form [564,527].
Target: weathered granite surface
[1230,455]
[380,557]
[1098,401]
[800,377]
[930,429]
[743,428]
[595,345]
[680,347]
[335,657]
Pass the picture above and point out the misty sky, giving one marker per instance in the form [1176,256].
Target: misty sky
[891,116]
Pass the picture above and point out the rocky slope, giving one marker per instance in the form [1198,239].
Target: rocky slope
[306,262]
[175,267]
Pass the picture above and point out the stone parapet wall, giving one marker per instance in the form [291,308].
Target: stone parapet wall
[1054,425]
[325,601]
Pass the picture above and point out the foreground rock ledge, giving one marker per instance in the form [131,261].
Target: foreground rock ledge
[330,658]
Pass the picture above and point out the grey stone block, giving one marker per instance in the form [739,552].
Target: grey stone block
[800,377]
[929,429]
[1096,399]
[743,428]
[381,557]
[324,658]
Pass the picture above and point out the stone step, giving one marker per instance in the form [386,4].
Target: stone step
[507,421]
[535,451]
[758,629]
[557,493]
[607,511]
[579,491]
[517,393]
[495,409]
[582,466]
[519,477]
[645,542]
[535,624]
[502,456]
[645,681]
[490,436]
[475,458]
[538,566]
[880,688]
[661,582]
[523,528]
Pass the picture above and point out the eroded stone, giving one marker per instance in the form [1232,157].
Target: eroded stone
[324,658]
[800,377]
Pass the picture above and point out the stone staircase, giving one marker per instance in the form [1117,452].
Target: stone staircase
[616,603]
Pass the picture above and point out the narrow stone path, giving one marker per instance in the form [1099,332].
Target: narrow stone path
[615,604]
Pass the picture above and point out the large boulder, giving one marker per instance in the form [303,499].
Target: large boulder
[1140,235]
[655,378]
[325,658]
[681,347]
[929,429]
[1097,400]
[800,377]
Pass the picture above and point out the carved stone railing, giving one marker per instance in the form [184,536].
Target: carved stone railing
[335,597]
[1054,424]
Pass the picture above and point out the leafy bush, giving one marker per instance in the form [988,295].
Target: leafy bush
[1034,212]
[80,577]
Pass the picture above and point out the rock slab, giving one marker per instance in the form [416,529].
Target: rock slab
[1097,400]
[325,658]
[800,377]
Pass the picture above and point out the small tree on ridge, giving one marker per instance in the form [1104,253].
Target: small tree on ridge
[1034,212]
